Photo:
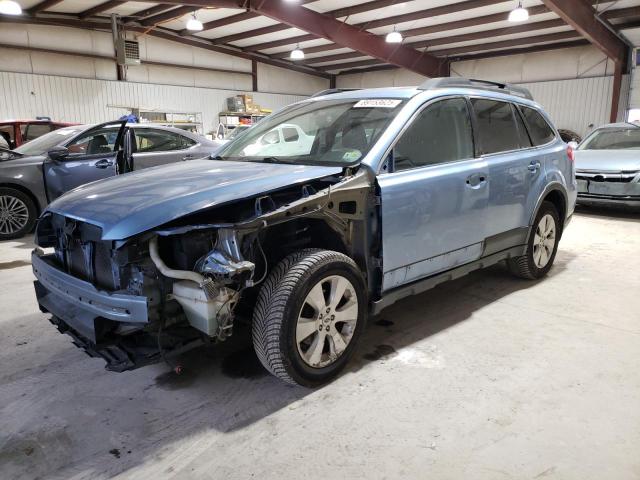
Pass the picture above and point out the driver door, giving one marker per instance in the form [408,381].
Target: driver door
[92,156]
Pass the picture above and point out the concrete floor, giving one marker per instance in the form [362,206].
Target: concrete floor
[487,377]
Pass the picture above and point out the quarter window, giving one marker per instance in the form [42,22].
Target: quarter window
[539,129]
[496,126]
[441,133]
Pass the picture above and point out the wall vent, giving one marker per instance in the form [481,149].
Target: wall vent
[128,52]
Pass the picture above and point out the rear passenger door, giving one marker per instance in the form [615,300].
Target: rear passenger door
[434,198]
[154,146]
[514,168]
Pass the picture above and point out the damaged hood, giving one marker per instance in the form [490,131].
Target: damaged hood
[608,160]
[133,203]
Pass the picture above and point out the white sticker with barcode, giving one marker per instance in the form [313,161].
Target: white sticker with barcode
[377,103]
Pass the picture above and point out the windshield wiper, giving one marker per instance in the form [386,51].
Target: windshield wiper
[271,160]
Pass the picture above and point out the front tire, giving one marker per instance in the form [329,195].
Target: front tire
[17,213]
[541,246]
[308,316]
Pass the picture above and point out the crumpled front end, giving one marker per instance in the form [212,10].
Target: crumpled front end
[134,302]
[616,188]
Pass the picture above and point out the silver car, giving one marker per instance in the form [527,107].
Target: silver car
[41,170]
[608,166]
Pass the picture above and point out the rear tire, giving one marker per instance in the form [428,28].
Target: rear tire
[308,316]
[18,213]
[541,246]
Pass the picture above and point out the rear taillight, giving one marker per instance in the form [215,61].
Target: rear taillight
[570,153]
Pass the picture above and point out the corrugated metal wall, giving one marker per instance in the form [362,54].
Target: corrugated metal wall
[90,101]
[577,104]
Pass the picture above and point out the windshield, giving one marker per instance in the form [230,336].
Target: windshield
[613,139]
[324,132]
[46,142]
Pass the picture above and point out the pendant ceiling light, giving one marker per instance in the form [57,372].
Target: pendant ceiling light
[393,37]
[297,53]
[519,14]
[9,7]
[194,24]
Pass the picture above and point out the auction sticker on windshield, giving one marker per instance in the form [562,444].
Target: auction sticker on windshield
[377,103]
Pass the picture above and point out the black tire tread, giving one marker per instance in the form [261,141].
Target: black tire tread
[271,303]
[522,266]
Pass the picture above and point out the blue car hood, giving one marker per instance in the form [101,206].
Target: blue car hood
[133,203]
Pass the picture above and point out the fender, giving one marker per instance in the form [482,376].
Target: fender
[551,187]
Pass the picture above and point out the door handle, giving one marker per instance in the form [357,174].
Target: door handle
[188,157]
[104,163]
[476,180]
[533,167]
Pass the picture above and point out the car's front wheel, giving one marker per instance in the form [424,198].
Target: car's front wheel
[17,213]
[309,315]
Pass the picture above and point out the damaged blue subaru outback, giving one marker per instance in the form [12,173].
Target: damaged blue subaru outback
[318,217]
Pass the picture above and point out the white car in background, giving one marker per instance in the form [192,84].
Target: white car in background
[286,139]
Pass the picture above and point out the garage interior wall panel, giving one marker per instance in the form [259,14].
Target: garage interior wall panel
[275,79]
[90,101]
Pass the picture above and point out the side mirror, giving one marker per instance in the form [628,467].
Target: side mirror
[573,144]
[58,153]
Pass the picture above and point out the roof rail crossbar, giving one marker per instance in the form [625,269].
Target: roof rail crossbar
[330,91]
[459,82]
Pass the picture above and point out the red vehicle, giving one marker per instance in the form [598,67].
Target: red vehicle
[17,132]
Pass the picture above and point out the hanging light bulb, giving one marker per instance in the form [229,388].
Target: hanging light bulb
[297,53]
[393,37]
[9,7]
[519,14]
[194,24]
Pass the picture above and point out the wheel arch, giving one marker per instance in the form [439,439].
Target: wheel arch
[556,194]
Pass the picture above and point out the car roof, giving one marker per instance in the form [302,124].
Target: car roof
[406,93]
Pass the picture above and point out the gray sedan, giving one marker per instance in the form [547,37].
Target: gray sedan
[608,166]
[39,171]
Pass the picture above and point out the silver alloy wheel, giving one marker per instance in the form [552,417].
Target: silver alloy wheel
[544,241]
[327,321]
[14,214]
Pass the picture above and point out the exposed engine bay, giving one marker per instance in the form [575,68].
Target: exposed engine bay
[200,274]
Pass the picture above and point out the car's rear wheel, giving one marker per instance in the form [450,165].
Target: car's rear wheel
[541,246]
[17,213]
[308,316]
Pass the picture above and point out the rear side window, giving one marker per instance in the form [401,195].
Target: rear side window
[496,126]
[441,133]
[539,129]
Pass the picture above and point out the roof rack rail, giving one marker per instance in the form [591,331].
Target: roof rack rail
[460,82]
[331,91]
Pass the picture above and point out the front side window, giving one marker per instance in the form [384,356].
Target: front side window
[496,124]
[541,132]
[96,142]
[440,133]
[322,132]
[613,139]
